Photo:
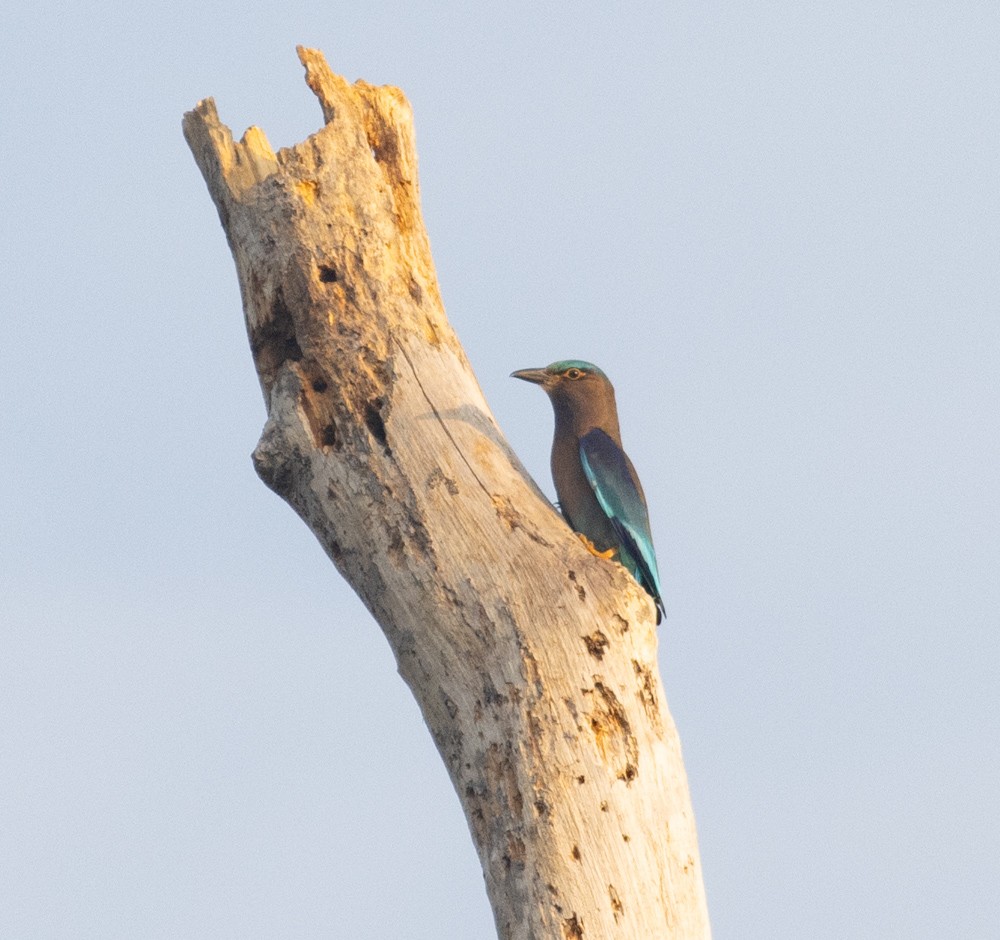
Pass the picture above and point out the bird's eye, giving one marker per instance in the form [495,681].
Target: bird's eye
[573,373]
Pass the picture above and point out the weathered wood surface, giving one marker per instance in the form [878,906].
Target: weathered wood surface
[534,664]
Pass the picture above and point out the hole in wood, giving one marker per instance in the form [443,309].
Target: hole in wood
[373,418]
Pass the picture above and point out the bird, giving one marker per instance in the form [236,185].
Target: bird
[598,490]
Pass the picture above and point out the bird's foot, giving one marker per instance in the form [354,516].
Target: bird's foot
[608,553]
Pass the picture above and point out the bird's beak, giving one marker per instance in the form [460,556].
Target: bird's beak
[538,376]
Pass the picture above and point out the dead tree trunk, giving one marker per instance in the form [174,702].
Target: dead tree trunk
[533,662]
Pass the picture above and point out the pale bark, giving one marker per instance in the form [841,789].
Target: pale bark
[534,663]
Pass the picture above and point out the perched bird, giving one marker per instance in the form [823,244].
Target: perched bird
[598,490]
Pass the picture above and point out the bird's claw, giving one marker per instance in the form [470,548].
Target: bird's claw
[608,553]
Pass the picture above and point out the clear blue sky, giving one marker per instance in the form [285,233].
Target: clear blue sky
[776,226]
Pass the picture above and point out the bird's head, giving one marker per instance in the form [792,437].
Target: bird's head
[580,392]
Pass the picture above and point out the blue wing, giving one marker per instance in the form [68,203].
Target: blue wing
[613,479]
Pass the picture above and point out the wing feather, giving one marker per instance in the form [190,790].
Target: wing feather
[615,484]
